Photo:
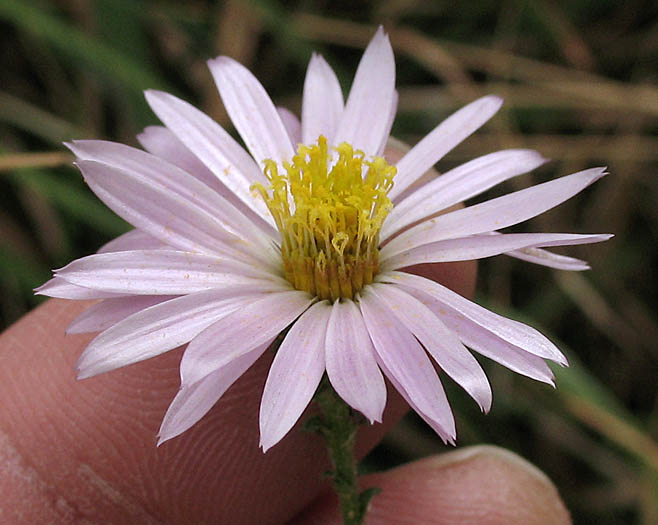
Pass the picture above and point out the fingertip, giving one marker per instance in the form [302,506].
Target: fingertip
[481,484]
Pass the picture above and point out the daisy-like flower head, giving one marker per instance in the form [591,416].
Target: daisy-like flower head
[308,231]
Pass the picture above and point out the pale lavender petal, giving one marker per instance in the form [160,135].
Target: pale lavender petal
[460,184]
[206,139]
[153,170]
[162,272]
[485,245]
[240,332]
[292,124]
[58,287]
[550,259]
[441,140]
[364,123]
[294,376]
[443,345]
[494,214]
[160,328]
[406,361]
[322,104]
[194,401]
[514,332]
[389,126]
[489,345]
[433,424]
[547,258]
[162,142]
[132,240]
[102,315]
[351,364]
[168,216]
[486,343]
[252,112]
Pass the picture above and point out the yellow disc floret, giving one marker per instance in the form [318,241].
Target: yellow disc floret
[329,207]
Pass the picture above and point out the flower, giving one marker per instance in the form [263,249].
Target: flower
[231,248]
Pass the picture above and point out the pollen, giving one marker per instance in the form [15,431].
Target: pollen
[329,207]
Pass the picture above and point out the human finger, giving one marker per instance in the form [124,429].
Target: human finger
[482,484]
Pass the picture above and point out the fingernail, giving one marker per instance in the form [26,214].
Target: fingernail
[465,454]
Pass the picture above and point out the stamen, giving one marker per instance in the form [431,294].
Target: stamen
[330,230]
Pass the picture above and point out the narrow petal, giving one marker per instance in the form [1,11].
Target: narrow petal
[58,287]
[406,362]
[494,214]
[443,345]
[322,104]
[547,258]
[252,112]
[168,216]
[460,184]
[206,139]
[514,332]
[510,356]
[160,328]
[485,245]
[162,143]
[294,376]
[102,315]
[240,332]
[441,140]
[162,272]
[393,111]
[488,344]
[434,424]
[365,119]
[351,364]
[550,259]
[132,240]
[194,401]
[148,168]
[292,124]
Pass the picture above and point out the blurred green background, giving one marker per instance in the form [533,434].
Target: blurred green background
[580,83]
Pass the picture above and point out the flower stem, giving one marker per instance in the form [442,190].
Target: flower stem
[338,424]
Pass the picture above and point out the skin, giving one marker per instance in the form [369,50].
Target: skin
[85,451]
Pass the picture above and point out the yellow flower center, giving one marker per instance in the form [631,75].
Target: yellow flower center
[329,209]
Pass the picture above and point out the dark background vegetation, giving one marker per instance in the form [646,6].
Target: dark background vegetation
[579,80]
